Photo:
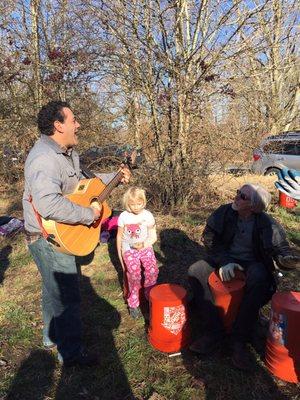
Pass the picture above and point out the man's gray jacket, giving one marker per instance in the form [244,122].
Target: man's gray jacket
[51,173]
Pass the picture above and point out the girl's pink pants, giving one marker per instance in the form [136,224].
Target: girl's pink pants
[133,260]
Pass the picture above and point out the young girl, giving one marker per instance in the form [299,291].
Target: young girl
[135,237]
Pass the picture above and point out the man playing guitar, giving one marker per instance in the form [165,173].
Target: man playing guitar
[52,171]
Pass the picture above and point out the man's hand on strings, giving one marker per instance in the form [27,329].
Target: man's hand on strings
[126,174]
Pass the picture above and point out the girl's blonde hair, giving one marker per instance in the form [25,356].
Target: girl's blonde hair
[134,193]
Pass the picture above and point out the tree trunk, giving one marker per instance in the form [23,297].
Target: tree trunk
[35,43]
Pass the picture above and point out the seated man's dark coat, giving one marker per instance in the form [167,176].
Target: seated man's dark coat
[269,239]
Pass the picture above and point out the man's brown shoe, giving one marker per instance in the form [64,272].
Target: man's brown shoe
[241,357]
[206,344]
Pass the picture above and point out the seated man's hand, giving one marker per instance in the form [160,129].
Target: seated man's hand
[227,271]
[289,182]
[289,262]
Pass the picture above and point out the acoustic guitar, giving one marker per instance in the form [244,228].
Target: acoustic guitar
[81,240]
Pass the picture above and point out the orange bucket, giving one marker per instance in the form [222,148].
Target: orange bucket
[283,343]
[227,296]
[286,201]
[169,330]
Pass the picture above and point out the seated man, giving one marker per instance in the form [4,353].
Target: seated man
[239,235]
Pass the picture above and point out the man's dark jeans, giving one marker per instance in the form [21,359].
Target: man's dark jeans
[260,286]
[60,298]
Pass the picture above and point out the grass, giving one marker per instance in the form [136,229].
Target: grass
[129,367]
[291,220]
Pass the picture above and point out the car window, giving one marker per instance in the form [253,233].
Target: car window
[274,147]
[282,147]
[291,148]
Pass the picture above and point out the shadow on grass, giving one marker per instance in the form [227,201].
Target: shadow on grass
[37,377]
[34,378]
[108,380]
[177,253]
[114,259]
[4,261]
[214,376]
[218,379]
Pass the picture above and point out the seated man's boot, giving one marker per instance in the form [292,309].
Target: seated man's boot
[241,357]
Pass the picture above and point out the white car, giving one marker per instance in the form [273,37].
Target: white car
[277,152]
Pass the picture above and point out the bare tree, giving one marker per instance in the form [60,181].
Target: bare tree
[194,83]
[168,57]
[267,78]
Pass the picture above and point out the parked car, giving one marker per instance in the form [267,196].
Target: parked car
[111,155]
[277,151]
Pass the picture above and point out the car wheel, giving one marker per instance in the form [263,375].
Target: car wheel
[272,171]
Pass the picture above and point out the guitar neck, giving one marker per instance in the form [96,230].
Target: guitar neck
[110,186]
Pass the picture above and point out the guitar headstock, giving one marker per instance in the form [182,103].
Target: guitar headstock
[130,159]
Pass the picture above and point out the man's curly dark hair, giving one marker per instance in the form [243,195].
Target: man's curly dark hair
[50,113]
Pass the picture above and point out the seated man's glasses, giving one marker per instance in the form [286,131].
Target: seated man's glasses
[241,195]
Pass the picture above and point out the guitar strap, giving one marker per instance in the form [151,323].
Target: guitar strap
[39,220]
